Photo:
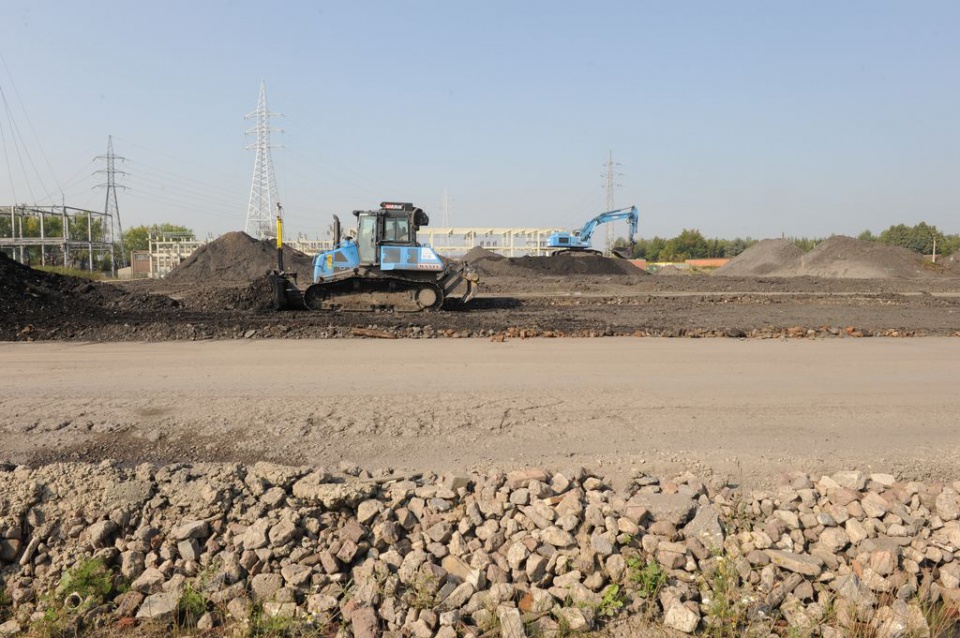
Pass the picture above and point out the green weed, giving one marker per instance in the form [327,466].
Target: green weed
[192,605]
[422,593]
[612,602]
[726,614]
[648,576]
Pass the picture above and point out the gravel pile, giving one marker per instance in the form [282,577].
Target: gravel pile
[763,258]
[528,552]
[845,257]
[838,257]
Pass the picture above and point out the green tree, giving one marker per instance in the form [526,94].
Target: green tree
[806,244]
[919,238]
[689,244]
[648,249]
[734,247]
[138,237]
[867,236]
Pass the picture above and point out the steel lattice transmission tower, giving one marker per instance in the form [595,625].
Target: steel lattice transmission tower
[610,184]
[112,230]
[263,188]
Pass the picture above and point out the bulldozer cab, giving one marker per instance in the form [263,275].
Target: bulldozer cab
[395,224]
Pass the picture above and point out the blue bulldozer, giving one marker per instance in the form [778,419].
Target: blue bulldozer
[381,267]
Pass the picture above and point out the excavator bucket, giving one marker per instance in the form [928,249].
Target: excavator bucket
[625,252]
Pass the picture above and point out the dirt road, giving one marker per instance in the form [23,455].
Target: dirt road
[744,409]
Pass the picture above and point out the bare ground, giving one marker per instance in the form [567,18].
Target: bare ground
[201,370]
[745,409]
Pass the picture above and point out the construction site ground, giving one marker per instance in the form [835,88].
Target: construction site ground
[742,409]
[745,375]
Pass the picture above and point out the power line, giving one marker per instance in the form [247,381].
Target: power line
[33,130]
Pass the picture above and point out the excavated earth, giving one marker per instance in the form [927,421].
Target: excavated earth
[226,296]
[737,410]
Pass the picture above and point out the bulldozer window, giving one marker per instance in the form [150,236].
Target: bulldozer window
[396,229]
[367,240]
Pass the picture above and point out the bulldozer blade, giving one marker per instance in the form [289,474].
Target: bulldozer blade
[284,292]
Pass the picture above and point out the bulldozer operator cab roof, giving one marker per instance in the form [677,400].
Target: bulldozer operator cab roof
[392,224]
[401,220]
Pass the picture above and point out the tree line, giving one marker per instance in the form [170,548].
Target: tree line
[81,227]
[924,239]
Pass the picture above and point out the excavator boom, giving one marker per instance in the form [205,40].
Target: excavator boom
[579,240]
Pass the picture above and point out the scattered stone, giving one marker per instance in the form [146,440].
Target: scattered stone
[191,529]
[159,607]
[675,509]
[529,551]
[681,618]
[799,563]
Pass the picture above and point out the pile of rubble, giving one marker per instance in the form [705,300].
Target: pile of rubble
[512,554]
[31,299]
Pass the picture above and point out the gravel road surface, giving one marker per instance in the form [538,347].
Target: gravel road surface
[746,409]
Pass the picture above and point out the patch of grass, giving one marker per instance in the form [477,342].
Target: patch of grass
[264,626]
[942,618]
[89,584]
[422,593]
[191,606]
[90,579]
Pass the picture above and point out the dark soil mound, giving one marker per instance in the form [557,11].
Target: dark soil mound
[31,298]
[493,265]
[766,257]
[237,256]
[479,253]
[847,258]
[588,264]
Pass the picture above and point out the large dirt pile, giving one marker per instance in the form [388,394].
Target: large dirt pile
[848,258]
[237,256]
[763,258]
[31,298]
[838,257]
[493,265]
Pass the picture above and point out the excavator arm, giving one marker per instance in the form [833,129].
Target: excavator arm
[630,214]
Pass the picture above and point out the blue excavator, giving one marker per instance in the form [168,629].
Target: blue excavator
[380,267]
[578,241]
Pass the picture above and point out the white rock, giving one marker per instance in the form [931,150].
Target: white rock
[681,618]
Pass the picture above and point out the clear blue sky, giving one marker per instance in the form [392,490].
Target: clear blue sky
[747,118]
